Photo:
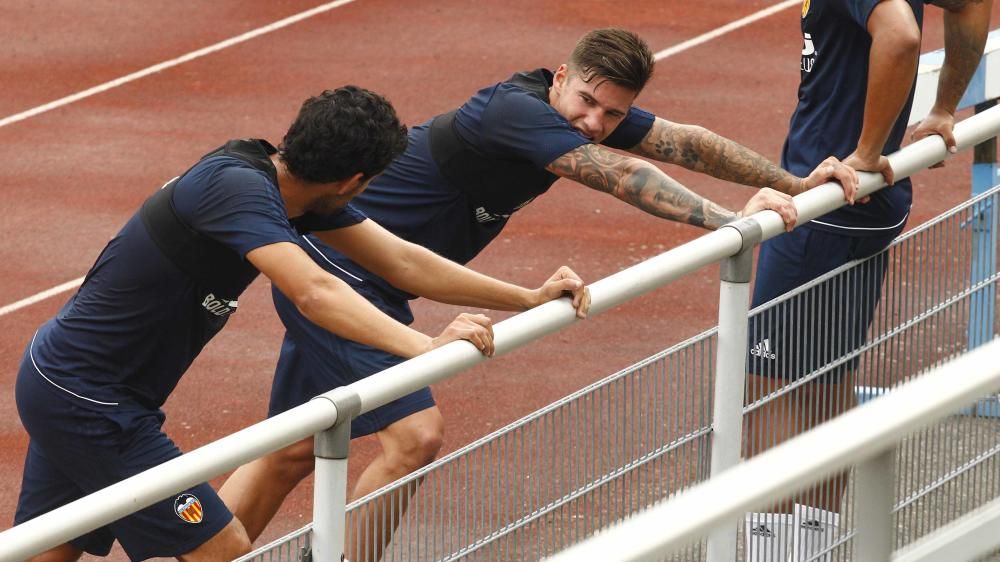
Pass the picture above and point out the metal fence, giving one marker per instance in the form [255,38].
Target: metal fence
[940,282]
[554,477]
[864,440]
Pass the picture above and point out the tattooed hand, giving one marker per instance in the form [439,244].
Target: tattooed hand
[776,201]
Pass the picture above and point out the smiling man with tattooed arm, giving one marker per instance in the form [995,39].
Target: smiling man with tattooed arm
[462,176]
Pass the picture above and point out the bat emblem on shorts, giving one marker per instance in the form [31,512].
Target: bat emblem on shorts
[188,508]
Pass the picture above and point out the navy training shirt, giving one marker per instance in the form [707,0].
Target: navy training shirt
[830,112]
[511,121]
[138,322]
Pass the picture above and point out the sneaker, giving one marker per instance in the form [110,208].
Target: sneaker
[767,536]
[815,530]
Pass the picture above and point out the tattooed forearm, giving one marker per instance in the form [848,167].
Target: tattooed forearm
[639,184]
[701,150]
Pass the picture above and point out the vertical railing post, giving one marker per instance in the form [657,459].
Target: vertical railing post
[875,484]
[982,305]
[730,377]
[331,448]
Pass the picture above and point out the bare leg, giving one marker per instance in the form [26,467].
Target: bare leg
[256,490]
[825,402]
[791,414]
[229,543]
[407,445]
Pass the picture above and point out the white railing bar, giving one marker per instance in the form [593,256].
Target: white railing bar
[966,538]
[854,437]
[381,388]
[132,494]
[209,461]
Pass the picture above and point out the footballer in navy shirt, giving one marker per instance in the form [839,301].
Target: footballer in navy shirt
[858,68]
[93,379]
[462,177]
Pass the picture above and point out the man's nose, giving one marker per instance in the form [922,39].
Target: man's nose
[593,122]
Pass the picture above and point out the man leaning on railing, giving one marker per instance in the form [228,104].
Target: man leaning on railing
[859,63]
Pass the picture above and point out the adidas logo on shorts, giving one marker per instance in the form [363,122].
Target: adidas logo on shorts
[763,349]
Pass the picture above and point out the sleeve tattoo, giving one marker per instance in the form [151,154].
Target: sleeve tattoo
[639,184]
[701,150]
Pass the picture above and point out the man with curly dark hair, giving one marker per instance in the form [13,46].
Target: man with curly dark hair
[93,379]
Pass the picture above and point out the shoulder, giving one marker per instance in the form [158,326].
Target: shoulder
[226,176]
[524,90]
[221,185]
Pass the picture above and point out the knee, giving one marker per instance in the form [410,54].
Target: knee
[230,543]
[293,463]
[427,444]
[239,544]
[417,447]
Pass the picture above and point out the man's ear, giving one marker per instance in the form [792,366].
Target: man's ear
[349,185]
[560,76]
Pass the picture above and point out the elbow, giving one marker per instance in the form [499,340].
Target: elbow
[313,296]
[901,42]
[400,270]
[909,44]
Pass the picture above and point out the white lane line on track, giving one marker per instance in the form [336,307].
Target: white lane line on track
[173,62]
[67,286]
[718,32]
[70,285]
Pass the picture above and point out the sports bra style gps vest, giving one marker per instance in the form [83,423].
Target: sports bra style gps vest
[497,185]
[215,266]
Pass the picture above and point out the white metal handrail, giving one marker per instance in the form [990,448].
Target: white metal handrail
[859,435]
[209,461]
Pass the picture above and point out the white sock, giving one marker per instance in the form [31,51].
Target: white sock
[815,530]
[767,536]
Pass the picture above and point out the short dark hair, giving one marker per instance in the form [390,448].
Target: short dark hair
[340,133]
[613,54]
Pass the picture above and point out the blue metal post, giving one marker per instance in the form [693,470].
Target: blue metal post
[982,307]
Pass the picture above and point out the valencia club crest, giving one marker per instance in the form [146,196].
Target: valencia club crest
[188,508]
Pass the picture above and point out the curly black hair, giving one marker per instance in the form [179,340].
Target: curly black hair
[340,133]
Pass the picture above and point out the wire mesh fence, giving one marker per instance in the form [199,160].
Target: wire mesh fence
[938,294]
[556,476]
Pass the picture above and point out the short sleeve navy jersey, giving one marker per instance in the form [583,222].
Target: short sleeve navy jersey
[138,321]
[830,112]
[505,122]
